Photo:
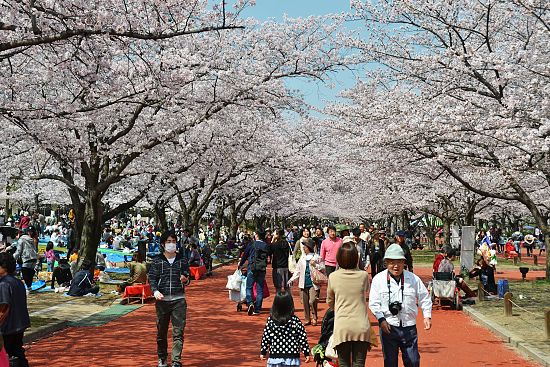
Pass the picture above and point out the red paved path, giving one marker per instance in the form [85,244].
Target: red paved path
[216,335]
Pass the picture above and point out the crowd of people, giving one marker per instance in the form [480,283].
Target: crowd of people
[344,263]
[511,246]
[360,268]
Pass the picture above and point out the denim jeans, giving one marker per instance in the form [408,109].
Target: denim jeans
[177,312]
[352,353]
[404,338]
[257,277]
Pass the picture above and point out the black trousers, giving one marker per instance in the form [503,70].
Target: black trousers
[28,275]
[14,347]
[329,269]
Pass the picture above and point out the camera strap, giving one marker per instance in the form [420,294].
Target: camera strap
[402,281]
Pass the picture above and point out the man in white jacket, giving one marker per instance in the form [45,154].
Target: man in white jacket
[392,299]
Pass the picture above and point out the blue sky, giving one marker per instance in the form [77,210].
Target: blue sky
[265,9]
[314,92]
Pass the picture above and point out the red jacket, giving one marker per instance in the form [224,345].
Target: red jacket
[437,261]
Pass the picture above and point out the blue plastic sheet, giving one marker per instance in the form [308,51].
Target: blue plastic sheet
[37,285]
[118,270]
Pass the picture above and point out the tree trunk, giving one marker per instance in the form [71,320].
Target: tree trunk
[220,207]
[470,213]
[545,229]
[160,217]
[406,221]
[546,234]
[233,221]
[36,203]
[446,231]
[431,240]
[91,228]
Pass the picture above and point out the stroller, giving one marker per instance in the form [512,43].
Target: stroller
[327,328]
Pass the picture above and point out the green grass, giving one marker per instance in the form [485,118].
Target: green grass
[37,321]
[423,256]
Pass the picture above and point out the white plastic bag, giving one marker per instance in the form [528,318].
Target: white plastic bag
[234,281]
[330,352]
[291,263]
[235,296]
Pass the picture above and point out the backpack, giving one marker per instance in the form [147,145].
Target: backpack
[258,262]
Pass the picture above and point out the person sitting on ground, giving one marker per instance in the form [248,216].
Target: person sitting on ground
[82,283]
[138,272]
[194,256]
[62,274]
[55,238]
[510,249]
[447,266]
[73,262]
[100,261]
[486,275]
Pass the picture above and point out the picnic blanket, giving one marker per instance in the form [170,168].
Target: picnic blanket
[112,281]
[86,295]
[118,258]
[37,285]
[46,290]
[118,270]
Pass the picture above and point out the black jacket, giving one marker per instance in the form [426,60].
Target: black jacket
[81,284]
[62,274]
[165,277]
[284,341]
[280,251]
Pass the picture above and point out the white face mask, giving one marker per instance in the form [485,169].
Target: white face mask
[170,247]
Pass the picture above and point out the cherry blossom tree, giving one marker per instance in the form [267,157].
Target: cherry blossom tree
[109,109]
[463,87]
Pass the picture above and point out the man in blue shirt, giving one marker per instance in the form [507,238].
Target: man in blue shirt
[256,254]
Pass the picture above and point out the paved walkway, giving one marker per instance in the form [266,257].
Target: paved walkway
[216,335]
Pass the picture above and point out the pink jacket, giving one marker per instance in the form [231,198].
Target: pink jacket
[300,271]
[50,255]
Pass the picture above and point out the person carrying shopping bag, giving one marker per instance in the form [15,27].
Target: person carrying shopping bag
[308,288]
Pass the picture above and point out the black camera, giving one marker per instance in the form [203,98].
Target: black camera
[395,307]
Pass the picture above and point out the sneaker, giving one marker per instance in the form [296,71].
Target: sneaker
[250,310]
[162,363]
[256,313]
[176,364]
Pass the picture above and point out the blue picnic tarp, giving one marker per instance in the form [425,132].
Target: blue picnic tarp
[37,285]
[117,270]
[118,258]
